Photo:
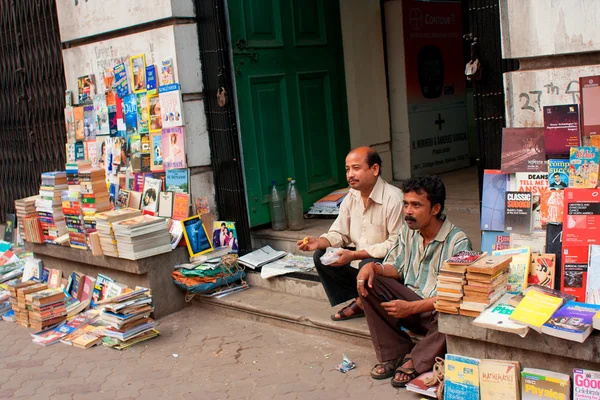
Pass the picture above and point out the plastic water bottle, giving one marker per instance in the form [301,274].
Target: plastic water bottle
[295,212]
[277,209]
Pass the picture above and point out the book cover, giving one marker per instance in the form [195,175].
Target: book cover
[495,185]
[78,118]
[130,114]
[162,176]
[465,257]
[113,128]
[122,200]
[535,309]
[224,235]
[461,378]
[152,187]
[87,289]
[170,105]
[573,321]
[552,206]
[561,129]
[167,72]
[201,205]
[100,288]
[70,124]
[177,180]
[54,278]
[135,200]
[151,78]
[181,206]
[101,114]
[165,204]
[135,150]
[518,216]
[86,86]
[492,241]
[536,241]
[558,173]
[173,148]
[154,112]
[523,150]
[497,317]
[575,261]
[519,268]
[541,384]
[589,90]
[542,270]
[418,385]
[534,183]
[9,227]
[586,384]
[156,160]
[121,82]
[554,246]
[583,167]
[592,294]
[79,151]
[196,237]
[499,379]
[581,217]
[142,113]
[138,72]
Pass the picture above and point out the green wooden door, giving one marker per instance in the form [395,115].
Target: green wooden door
[291,97]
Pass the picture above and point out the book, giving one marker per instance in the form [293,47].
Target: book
[583,167]
[490,265]
[122,200]
[100,288]
[523,150]
[156,159]
[497,317]
[86,86]
[135,200]
[78,120]
[70,125]
[461,378]
[586,384]
[536,241]
[196,237]
[551,206]
[101,115]
[589,89]
[167,74]
[592,294]
[575,263]
[492,241]
[151,78]
[418,385]
[554,246]
[260,257]
[561,129]
[516,299]
[558,174]
[142,113]
[224,235]
[87,290]
[535,309]
[173,147]
[518,216]
[170,105]
[581,217]
[542,270]
[165,204]
[137,64]
[177,180]
[181,206]
[534,183]
[573,321]
[55,278]
[519,267]
[130,112]
[121,82]
[542,384]
[152,188]
[9,227]
[465,257]
[495,184]
[499,379]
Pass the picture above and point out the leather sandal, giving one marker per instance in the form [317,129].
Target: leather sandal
[357,312]
[410,372]
[389,369]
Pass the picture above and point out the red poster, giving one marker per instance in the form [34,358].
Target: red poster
[581,225]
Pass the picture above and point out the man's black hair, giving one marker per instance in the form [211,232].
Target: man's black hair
[152,193]
[432,185]
[373,158]
[223,224]
[556,173]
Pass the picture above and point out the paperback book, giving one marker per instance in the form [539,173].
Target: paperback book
[499,379]
[586,384]
[492,241]
[583,170]
[573,321]
[519,268]
[461,378]
[523,150]
[495,184]
[170,105]
[497,317]
[558,173]
[173,148]
[177,180]
[589,87]
[561,129]
[534,183]
[536,383]
[518,217]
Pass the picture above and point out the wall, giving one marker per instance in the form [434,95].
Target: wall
[366,90]
[136,33]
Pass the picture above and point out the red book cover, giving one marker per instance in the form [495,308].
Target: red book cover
[581,216]
[561,129]
[523,150]
[574,271]
[181,206]
[88,288]
[590,103]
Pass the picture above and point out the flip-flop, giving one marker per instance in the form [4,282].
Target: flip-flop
[411,372]
[389,368]
[357,312]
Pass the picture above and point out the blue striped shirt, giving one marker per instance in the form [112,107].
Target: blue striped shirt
[418,267]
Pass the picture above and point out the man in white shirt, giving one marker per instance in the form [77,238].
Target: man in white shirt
[370,218]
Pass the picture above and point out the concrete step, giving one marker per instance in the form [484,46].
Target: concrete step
[285,310]
[305,284]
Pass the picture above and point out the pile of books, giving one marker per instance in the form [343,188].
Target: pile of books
[330,204]
[46,308]
[142,236]
[127,317]
[49,205]
[104,223]
[18,291]
[94,193]
[486,283]
[71,207]
[25,208]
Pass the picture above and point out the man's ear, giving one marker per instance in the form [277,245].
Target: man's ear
[435,210]
[376,169]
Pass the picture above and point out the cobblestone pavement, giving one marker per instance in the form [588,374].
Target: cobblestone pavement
[198,355]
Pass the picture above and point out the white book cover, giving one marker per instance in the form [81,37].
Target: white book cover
[536,240]
[170,105]
[586,384]
[261,256]
[497,316]
[165,204]
[152,188]
[101,110]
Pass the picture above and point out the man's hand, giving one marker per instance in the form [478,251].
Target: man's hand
[399,308]
[365,277]
[308,244]
[346,256]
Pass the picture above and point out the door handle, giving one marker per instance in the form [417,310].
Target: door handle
[242,50]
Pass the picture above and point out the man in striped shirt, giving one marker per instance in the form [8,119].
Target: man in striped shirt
[403,294]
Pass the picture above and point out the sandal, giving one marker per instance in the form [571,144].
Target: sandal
[411,372]
[389,369]
[357,312]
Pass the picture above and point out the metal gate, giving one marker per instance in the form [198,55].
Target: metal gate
[222,125]
[32,87]
[484,24]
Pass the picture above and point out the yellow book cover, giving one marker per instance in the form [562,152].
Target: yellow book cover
[499,379]
[519,268]
[535,309]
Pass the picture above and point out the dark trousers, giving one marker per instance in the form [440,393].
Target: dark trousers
[389,340]
[339,282]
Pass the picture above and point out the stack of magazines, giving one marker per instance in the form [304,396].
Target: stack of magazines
[142,237]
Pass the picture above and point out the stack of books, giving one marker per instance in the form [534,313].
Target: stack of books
[46,308]
[18,291]
[33,230]
[72,171]
[486,283]
[330,204]
[49,205]
[128,319]
[25,208]
[104,222]
[71,207]
[142,236]
[94,196]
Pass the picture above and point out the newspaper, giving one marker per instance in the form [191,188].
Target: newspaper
[288,264]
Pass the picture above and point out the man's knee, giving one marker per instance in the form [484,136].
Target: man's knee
[373,291]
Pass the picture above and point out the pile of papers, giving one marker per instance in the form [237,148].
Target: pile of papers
[260,257]
[288,264]
[142,237]
[330,204]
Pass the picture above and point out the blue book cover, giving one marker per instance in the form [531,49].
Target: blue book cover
[461,378]
[79,151]
[495,184]
[558,174]
[573,321]
[130,114]
[121,82]
[177,180]
[45,275]
[151,77]
[492,241]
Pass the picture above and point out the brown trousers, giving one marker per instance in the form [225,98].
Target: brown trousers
[389,340]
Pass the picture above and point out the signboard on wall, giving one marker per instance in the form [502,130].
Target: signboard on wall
[435,84]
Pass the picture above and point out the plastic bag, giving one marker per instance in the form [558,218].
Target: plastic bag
[330,256]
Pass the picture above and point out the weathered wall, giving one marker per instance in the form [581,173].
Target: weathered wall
[534,28]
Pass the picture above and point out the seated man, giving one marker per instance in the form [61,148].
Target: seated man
[403,293]
[370,217]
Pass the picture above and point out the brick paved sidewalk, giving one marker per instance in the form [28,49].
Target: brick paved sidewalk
[219,358]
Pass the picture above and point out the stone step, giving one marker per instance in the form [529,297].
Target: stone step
[304,284]
[285,310]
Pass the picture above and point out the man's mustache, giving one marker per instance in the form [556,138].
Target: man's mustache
[409,218]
